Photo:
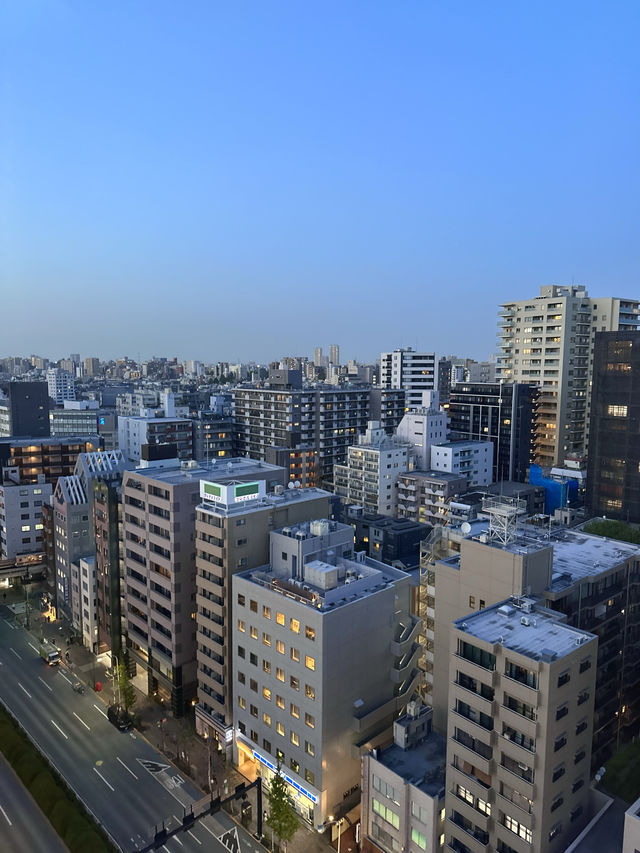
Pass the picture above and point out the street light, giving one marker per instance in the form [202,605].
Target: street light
[330,821]
[205,735]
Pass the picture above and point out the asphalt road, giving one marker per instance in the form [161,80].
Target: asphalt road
[127,785]
[22,825]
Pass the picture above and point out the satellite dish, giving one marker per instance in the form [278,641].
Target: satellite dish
[465,528]
[290,485]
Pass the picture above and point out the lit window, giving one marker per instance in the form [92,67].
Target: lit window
[294,624]
[266,611]
[309,691]
[295,654]
[266,639]
[280,702]
[242,703]
[310,633]
[295,739]
[279,618]
[295,711]
[266,693]
[310,721]
[280,646]
[279,674]
[266,719]
[310,662]
[309,748]
[241,626]
[280,729]
[254,632]
[617,411]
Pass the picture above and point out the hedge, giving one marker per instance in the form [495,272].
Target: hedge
[65,812]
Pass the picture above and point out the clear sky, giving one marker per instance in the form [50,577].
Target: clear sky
[244,180]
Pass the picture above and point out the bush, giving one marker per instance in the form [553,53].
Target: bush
[78,827]
[614,530]
[45,791]
[61,815]
[28,767]
[86,841]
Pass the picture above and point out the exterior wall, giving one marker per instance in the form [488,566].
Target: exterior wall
[631,840]
[62,385]
[107,521]
[51,458]
[413,371]
[21,526]
[422,429]
[472,459]
[73,538]
[26,410]
[370,476]
[426,497]
[133,433]
[73,422]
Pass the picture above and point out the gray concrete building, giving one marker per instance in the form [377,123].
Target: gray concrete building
[233,525]
[520,720]
[24,409]
[21,508]
[326,658]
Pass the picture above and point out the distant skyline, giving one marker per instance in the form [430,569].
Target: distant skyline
[244,181]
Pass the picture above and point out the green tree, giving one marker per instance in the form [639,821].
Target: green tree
[282,817]
[127,690]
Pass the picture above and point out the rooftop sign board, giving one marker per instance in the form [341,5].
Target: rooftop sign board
[231,493]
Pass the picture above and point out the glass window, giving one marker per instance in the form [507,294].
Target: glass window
[280,702]
[309,662]
[279,618]
[266,639]
[309,777]
[253,632]
[280,646]
[280,729]
[309,691]
[279,674]
[419,839]
[295,738]
[294,624]
[266,611]
[385,813]
[310,721]
[310,633]
[309,748]
[266,666]
[242,703]
[295,711]
[253,606]
[241,600]
[295,654]
[266,719]
[294,683]
[266,694]
[241,626]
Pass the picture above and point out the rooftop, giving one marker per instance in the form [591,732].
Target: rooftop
[287,497]
[422,765]
[520,625]
[51,440]
[442,476]
[237,466]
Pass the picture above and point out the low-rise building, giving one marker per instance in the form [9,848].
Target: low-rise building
[21,508]
[426,496]
[471,459]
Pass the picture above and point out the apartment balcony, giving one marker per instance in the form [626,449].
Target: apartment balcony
[475,839]
[522,811]
[515,780]
[483,703]
[470,813]
[468,754]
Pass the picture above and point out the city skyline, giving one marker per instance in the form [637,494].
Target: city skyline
[390,176]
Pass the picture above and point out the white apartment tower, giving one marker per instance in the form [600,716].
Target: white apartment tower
[549,340]
[416,372]
[62,385]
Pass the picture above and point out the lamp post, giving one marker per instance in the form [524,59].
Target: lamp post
[330,821]
[207,739]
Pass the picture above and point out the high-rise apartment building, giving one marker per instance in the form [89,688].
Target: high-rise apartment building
[24,409]
[326,659]
[415,372]
[137,433]
[48,457]
[334,354]
[61,384]
[500,412]
[92,366]
[158,532]
[422,428]
[21,508]
[613,474]
[470,459]
[426,496]
[233,525]
[373,466]
[589,579]
[520,718]
[549,341]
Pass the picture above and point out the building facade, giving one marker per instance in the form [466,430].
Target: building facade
[470,459]
[61,385]
[426,496]
[24,409]
[47,457]
[21,508]
[548,340]
[415,372]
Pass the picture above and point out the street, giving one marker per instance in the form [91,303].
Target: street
[128,786]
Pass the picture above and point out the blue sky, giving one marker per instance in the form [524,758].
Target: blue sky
[246,180]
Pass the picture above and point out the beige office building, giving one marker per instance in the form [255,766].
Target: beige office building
[519,730]
[548,340]
[233,524]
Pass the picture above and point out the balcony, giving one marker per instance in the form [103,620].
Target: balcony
[476,838]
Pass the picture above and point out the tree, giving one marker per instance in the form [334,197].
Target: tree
[282,817]
[127,691]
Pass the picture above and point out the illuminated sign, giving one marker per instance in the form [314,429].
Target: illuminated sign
[287,779]
[231,493]
[246,491]
[212,490]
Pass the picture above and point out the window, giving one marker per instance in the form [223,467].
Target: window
[266,666]
[472,602]
[555,831]
[279,618]
[575,813]
[253,659]
[280,702]
[242,703]
[558,773]
[519,829]
[241,652]
[266,639]
[557,803]
[309,662]
[253,685]
[309,748]
[294,765]
[280,756]
[617,411]
[309,777]
[585,665]
[310,633]
[253,631]
[295,738]
[294,683]
[294,624]
[295,654]
[279,674]
[266,719]
[241,626]
[253,711]
[280,646]
[583,697]
[582,725]
[266,744]
[564,678]
[280,729]
[385,789]
[386,813]
[419,839]
[266,693]
[241,677]
[309,691]
[580,754]
[253,606]
[254,735]
[577,784]
[294,711]
[266,612]
[310,721]
[559,742]
[241,600]
[562,711]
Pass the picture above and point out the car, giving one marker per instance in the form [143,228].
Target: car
[117,715]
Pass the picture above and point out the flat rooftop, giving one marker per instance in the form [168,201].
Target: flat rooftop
[531,632]
[236,466]
[443,476]
[422,765]
[51,440]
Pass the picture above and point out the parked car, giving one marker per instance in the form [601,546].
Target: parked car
[119,717]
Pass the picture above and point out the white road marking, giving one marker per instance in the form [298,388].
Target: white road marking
[175,838]
[82,721]
[207,828]
[126,768]
[24,689]
[65,677]
[15,653]
[100,711]
[59,729]
[95,770]
[178,819]
[6,816]
[50,689]
[195,838]
[34,648]
[164,847]
[10,624]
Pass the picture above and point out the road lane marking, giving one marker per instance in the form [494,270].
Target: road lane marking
[15,653]
[195,838]
[64,676]
[175,838]
[164,847]
[95,770]
[34,648]
[207,828]
[24,689]
[6,816]
[100,711]
[10,624]
[178,819]
[126,768]
[50,689]
[82,721]
[59,729]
